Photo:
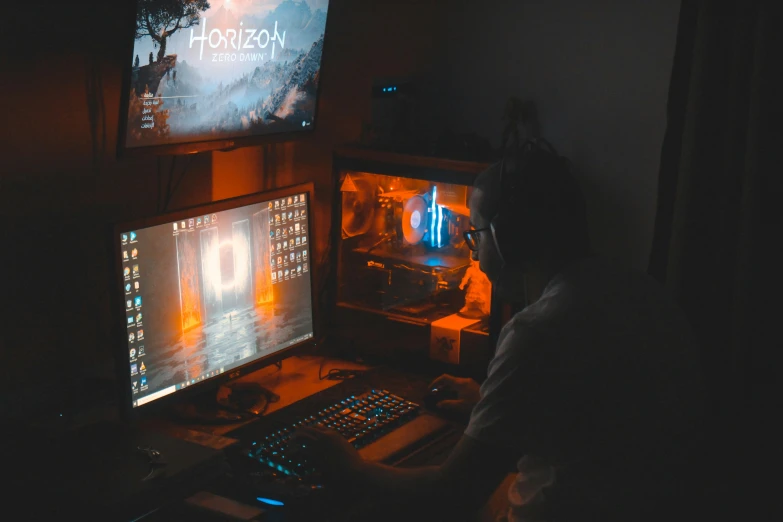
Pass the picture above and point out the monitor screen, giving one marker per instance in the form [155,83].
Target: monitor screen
[207,293]
[208,70]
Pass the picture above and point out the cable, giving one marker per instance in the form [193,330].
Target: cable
[179,181]
[338,374]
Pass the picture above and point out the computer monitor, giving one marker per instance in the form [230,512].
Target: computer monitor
[221,74]
[212,292]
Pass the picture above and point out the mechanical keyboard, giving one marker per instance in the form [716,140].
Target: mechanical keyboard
[362,419]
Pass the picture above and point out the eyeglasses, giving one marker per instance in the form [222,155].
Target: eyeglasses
[472,237]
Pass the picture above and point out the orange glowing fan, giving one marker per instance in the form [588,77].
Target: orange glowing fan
[414,219]
[358,206]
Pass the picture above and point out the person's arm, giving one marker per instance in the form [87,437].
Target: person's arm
[468,477]
[466,480]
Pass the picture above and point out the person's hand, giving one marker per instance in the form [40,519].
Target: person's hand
[467,391]
[330,453]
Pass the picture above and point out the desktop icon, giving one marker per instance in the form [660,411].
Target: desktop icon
[298,256]
[135,384]
[141,350]
[130,320]
[134,369]
[136,285]
[135,253]
[302,213]
[270,205]
[143,382]
[142,368]
[282,217]
[296,227]
[279,260]
[137,301]
[285,233]
[280,274]
[138,317]
[290,215]
[206,220]
[277,204]
[304,267]
[140,335]
[302,198]
[214,218]
[296,213]
[128,287]
[198,222]
[131,337]
[133,236]
[274,276]
[191,222]
[304,254]
[292,256]
[291,230]
[277,219]
[182,225]
[128,304]
[125,254]
[277,233]
[124,238]
[279,247]
[296,199]
[290,201]
[271,234]
[298,241]
[299,269]
[126,271]
[132,353]
[304,239]
[135,270]
[291,243]
[175,227]
[286,273]
[285,245]
[272,262]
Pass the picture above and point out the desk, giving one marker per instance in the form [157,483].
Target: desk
[298,379]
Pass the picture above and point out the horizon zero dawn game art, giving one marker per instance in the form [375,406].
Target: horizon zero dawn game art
[208,70]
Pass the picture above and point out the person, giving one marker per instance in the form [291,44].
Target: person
[593,393]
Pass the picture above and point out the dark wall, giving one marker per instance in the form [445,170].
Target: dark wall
[599,73]
[61,186]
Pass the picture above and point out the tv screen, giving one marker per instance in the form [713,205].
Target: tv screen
[218,70]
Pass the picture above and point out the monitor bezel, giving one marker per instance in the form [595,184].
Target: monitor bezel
[120,342]
[223,144]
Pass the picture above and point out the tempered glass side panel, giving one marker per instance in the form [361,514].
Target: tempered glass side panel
[402,250]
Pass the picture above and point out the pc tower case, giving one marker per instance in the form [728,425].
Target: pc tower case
[406,288]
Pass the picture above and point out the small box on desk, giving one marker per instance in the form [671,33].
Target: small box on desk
[460,341]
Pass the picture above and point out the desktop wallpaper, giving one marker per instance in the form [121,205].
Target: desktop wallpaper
[216,69]
[211,292]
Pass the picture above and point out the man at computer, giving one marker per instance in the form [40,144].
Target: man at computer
[593,393]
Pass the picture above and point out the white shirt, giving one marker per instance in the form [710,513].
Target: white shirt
[591,386]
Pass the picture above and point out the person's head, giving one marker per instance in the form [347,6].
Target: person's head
[529,217]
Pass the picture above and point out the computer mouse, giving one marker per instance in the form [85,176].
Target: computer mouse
[269,489]
[437,394]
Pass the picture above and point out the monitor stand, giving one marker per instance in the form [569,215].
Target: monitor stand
[235,402]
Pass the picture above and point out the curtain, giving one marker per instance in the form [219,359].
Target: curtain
[718,230]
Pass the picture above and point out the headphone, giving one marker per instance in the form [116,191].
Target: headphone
[526,173]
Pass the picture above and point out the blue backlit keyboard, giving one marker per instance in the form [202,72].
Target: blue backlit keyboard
[361,419]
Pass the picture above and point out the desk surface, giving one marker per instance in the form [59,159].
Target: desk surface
[299,379]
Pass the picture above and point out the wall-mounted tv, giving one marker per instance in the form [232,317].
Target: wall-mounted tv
[219,74]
